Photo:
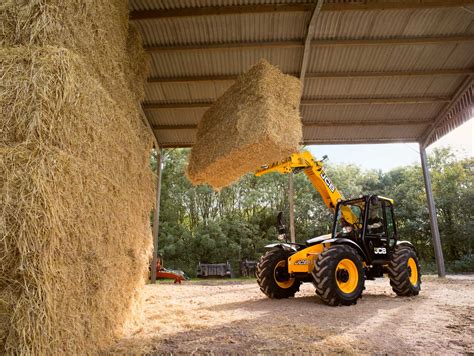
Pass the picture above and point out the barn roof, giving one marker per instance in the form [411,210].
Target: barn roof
[374,71]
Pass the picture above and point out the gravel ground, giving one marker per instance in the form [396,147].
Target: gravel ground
[238,318]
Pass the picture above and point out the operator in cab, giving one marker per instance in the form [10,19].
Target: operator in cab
[375,220]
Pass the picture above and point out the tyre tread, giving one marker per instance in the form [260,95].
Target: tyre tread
[265,277]
[324,280]
[398,272]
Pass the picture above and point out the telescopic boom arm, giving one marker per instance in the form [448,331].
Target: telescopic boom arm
[314,170]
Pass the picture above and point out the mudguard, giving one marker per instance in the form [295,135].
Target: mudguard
[318,239]
[406,243]
[342,241]
[282,245]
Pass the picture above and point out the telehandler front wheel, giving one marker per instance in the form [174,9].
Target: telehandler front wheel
[272,275]
[404,272]
[338,275]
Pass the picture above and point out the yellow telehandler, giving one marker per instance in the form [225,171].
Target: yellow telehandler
[363,245]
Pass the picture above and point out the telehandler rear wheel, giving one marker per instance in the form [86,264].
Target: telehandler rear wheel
[272,275]
[338,275]
[404,272]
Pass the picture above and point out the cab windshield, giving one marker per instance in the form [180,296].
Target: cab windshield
[350,216]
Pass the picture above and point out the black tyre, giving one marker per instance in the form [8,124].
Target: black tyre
[338,275]
[272,275]
[404,272]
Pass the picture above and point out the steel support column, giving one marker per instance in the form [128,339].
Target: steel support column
[156,215]
[433,218]
[291,202]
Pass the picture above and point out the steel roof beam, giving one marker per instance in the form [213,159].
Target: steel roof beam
[321,123]
[315,43]
[217,10]
[358,141]
[226,46]
[317,142]
[308,38]
[328,75]
[424,138]
[368,101]
[149,127]
[393,41]
[177,105]
[366,123]
[177,145]
[192,79]
[317,102]
[269,8]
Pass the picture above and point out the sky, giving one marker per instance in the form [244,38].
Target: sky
[393,155]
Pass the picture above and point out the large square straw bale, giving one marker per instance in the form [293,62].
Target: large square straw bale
[255,122]
[97,30]
[75,195]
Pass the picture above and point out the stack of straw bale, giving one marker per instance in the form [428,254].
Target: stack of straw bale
[255,122]
[75,185]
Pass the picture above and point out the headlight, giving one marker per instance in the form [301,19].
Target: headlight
[347,229]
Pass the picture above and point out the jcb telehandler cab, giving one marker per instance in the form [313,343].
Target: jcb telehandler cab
[363,245]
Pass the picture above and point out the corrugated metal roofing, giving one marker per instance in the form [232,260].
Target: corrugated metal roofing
[393,23]
[357,134]
[380,87]
[178,4]
[177,138]
[379,112]
[174,116]
[315,88]
[354,63]
[223,62]
[224,29]
[391,58]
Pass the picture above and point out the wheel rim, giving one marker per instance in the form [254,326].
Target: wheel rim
[413,271]
[347,276]
[280,275]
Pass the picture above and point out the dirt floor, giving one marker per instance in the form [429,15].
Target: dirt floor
[238,318]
